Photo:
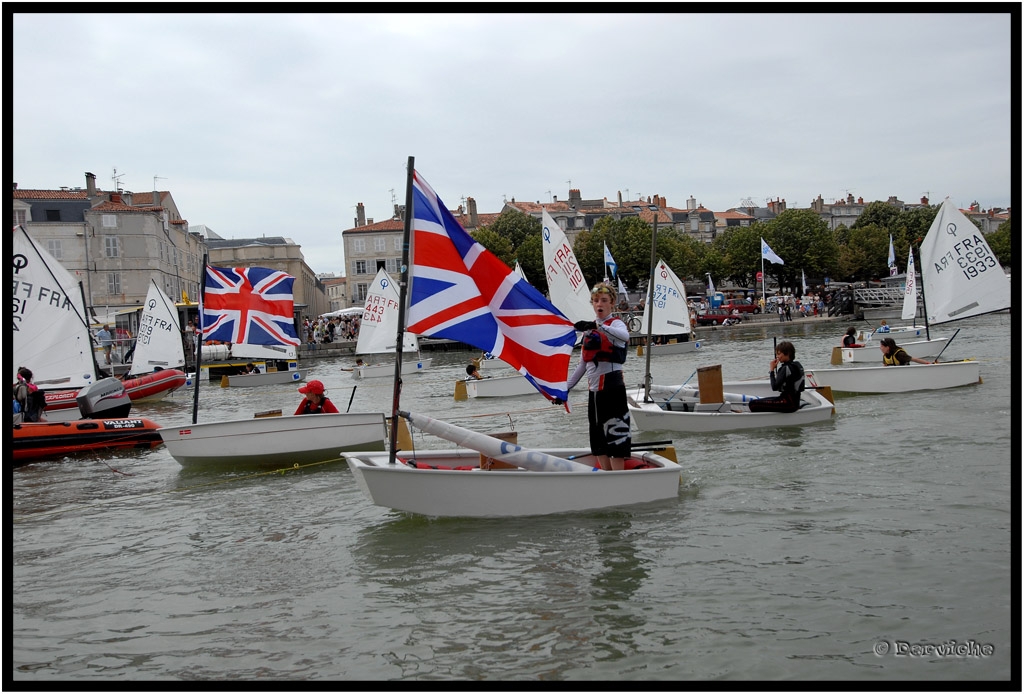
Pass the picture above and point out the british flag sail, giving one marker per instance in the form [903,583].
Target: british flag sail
[461,291]
[248,305]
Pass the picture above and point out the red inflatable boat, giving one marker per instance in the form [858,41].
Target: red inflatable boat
[35,440]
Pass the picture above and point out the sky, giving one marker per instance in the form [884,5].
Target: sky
[279,124]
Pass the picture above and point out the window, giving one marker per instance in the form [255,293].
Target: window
[380,243]
[359,245]
[53,215]
[53,247]
[20,217]
[112,247]
[398,243]
[358,267]
[381,264]
[113,283]
[360,294]
[393,265]
[109,221]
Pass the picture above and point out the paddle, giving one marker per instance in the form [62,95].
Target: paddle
[350,398]
[936,360]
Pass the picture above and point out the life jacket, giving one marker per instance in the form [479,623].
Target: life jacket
[597,346]
[893,359]
[309,408]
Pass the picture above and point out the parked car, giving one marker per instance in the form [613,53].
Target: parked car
[741,305]
[716,316]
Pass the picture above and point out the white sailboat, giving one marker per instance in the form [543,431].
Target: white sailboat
[671,315]
[961,278]
[378,331]
[158,362]
[492,477]
[271,441]
[567,288]
[51,339]
[926,348]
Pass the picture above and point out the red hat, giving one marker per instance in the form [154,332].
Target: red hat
[315,387]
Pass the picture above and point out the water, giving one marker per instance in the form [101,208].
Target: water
[790,554]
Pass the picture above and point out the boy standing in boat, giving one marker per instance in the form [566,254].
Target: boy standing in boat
[603,354]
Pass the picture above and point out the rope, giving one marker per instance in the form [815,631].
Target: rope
[682,386]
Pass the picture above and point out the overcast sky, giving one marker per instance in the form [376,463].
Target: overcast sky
[279,124]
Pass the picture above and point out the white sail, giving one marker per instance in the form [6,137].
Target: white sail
[567,287]
[519,271]
[671,314]
[494,448]
[158,343]
[910,293]
[51,336]
[378,329]
[961,275]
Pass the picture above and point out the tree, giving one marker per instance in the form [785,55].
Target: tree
[530,255]
[496,244]
[881,214]
[999,242]
[516,226]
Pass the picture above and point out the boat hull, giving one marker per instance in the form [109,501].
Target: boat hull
[897,379]
[274,441]
[478,492]
[385,370]
[39,440]
[678,409]
[675,348]
[261,379]
[870,354]
[499,387]
[154,386]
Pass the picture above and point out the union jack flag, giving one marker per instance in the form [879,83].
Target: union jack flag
[461,291]
[248,305]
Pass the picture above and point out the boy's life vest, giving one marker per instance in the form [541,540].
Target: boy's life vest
[597,346]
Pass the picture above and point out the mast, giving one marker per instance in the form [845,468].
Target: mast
[199,341]
[924,301]
[650,308]
[403,294]
[95,364]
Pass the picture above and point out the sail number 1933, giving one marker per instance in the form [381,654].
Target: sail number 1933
[973,257]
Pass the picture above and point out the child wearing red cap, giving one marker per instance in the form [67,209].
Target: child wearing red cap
[315,401]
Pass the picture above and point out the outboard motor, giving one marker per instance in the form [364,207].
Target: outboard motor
[104,399]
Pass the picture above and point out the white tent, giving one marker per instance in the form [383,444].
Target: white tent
[354,311]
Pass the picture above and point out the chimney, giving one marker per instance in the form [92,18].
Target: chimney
[849,198]
[691,203]
[924,200]
[620,198]
[360,215]
[574,198]
[90,184]
[471,204]
[860,201]
[126,197]
[115,197]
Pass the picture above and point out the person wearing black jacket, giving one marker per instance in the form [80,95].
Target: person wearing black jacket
[787,377]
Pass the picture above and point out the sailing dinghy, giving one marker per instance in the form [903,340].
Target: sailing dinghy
[158,362]
[378,332]
[501,314]
[266,440]
[668,314]
[961,278]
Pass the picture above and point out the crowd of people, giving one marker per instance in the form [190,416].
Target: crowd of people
[325,330]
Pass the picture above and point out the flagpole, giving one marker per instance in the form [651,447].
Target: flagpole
[650,307]
[199,340]
[403,293]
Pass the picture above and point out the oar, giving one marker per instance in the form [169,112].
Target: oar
[350,398]
[936,360]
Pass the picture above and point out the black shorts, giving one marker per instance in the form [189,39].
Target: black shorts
[608,414]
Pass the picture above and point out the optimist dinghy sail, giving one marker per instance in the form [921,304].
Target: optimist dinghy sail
[566,285]
[671,314]
[910,293]
[378,330]
[158,343]
[961,275]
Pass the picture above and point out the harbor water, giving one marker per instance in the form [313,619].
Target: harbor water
[874,547]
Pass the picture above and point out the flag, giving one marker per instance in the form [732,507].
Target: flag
[609,262]
[711,285]
[803,281]
[768,254]
[892,258]
[184,298]
[248,305]
[622,290]
[461,291]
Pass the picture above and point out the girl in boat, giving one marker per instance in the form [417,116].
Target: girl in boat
[603,354]
[850,340]
[315,402]
[787,377]
[894,355]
